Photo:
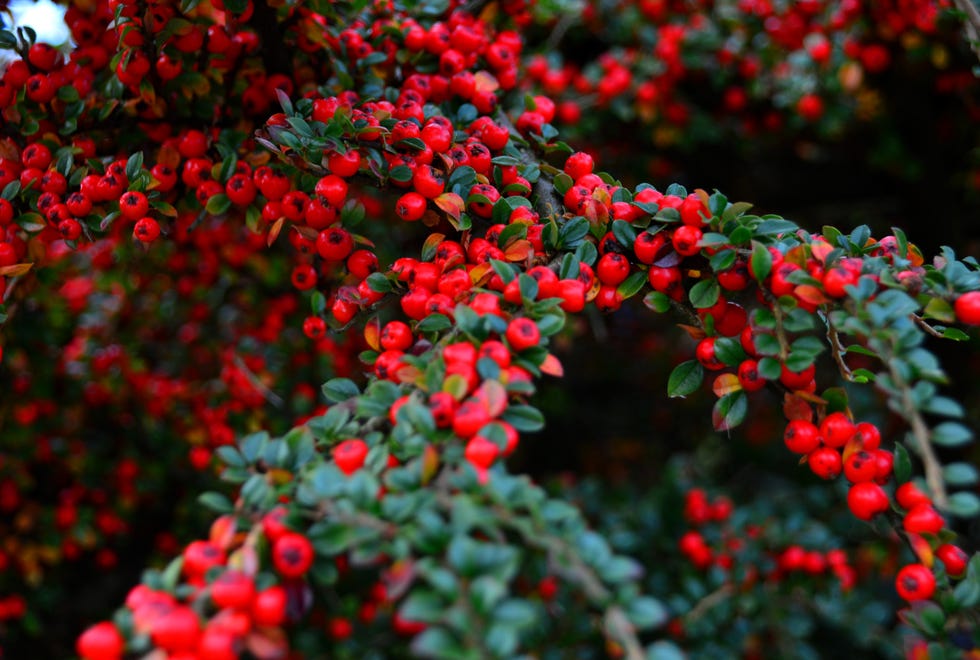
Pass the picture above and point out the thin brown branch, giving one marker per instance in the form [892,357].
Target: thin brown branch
[920,431]
[971,23]
[838,350]
[708,602]
[929,330]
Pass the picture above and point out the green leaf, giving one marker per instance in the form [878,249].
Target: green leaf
[340,389]
[632,285]
[685,379]
[902,464]
[524,418]
[730,410]
[964,504]
[729,350]
[134,165]
[960,474]
[705,293]
[775,226]
[216,502]
[760,263]
[658,302]
[218,204]
[434,323]
[422,606]
[664,650]
[951,434]
[646,612]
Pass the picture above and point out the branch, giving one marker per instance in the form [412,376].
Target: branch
[971,23]
[920,431]
[919,321]
[838,350]
[708,602]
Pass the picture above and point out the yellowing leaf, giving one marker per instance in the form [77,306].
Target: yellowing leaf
[810,294]
[725,384]
[430,463]
[372,333]
[456,385]
[15,269]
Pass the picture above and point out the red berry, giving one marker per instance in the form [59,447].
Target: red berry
[522,333]
[100,642]
[953,558]
[349,455]
[825,462]
[866,500]
[269,606]
[836,429]
[923,519]
[909,496]
[334,244]
[292,555]
[915,582]
[801,437]
[967,308]
[233,589]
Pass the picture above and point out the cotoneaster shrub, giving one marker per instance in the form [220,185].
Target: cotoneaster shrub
[327,252]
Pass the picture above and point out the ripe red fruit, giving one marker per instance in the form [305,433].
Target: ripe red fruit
[470,417]
[967,308]
[411,206]
[522,333]
[915,582]
[269,606]
[825,462]
[909,496]
[801,437]
[860,467]
[836,429]
[923,519]
[177,630]
[233,589]
[349,455]
[292,555]
[749,378]
[953,558]
[481,452]
[100,642]
[705,354]
[797,380]
[334,244]
[612,268]
[146,230]
[866,500]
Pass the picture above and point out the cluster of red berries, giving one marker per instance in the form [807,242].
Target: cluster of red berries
[700,512]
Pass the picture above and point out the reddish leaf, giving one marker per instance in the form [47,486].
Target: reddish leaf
[223,532]
[267,643]
[451,203]
[552,366]
[795,407]
[493,396]
[810,294]
[485,82]
[274,231]
[519,250]
[430,463]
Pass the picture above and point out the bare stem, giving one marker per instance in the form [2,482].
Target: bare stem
[838,351]
[971,23]
[920,431]
[929,330]
[708,602]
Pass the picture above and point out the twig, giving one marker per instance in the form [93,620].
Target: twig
[269,395]
[838,350]
[921,322]
[566,21]
[920,431]
[709,601]
[971,23]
